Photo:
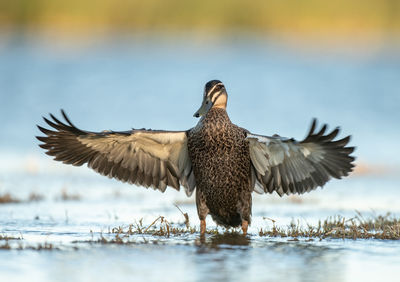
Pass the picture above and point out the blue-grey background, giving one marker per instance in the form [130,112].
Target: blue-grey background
[121,83]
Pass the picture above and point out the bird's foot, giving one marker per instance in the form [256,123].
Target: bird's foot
[245,226]
[202,227]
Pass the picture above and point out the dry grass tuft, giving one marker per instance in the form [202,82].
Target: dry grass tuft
[5,246]
[40,247]
[385,227]
[66,196]
[159,227]
[8,199]
[20,246]
[35,197]
[7,237]
[185,215]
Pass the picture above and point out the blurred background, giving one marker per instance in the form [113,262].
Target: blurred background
[114,64]
[118,64]
[126,63]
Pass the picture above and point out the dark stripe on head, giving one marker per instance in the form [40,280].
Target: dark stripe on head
[211,86]
[211,83]
[215,89]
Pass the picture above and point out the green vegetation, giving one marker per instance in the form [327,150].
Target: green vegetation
[289,16]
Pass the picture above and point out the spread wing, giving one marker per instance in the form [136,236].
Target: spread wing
[290,167]
[150,158]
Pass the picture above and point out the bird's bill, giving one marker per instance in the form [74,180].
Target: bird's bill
[205,107]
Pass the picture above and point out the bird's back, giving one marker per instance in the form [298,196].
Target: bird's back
[221,162]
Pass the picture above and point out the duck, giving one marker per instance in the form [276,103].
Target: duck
[221,163]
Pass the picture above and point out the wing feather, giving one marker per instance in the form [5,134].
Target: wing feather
[286,166]
[151,158]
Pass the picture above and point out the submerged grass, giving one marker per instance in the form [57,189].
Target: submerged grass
[39,247]
[4,237]
[159,227]
[21,246]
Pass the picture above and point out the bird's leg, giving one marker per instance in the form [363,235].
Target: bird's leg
[202,227]
[245,225]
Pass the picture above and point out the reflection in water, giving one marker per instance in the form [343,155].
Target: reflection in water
[227,240]
[230,257]
[222,257]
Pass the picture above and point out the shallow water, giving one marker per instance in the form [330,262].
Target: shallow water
[118,84]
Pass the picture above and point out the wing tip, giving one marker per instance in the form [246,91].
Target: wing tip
[45,130]
[312,127]
[64,114]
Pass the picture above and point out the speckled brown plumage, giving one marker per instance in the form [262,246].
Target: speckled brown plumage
[221,163]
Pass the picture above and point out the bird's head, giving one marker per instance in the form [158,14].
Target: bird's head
[215,96]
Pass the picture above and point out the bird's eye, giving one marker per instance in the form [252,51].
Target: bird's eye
[207,102]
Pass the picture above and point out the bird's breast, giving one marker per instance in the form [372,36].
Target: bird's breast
[219,155]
